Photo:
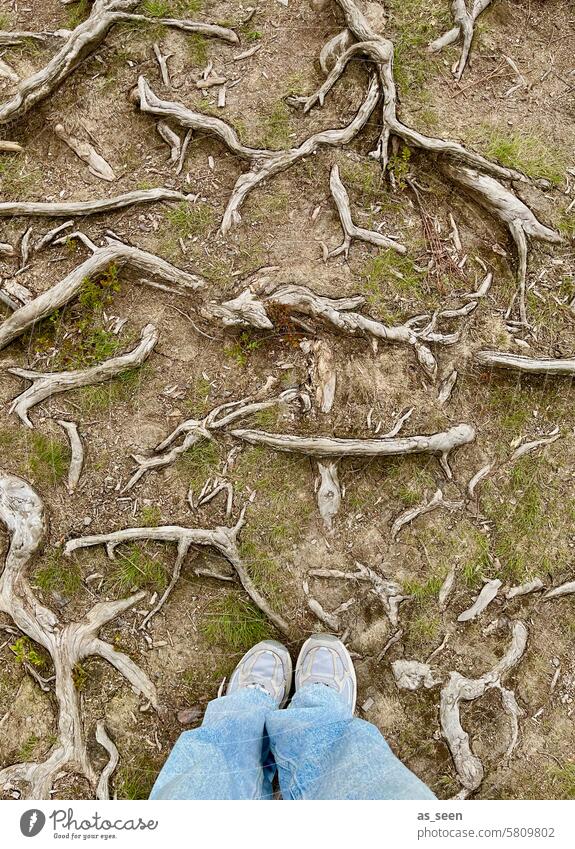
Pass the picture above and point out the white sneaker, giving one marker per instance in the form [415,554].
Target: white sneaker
[266,666]
[324,659]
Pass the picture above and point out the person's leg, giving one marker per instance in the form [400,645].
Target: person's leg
[321,750]
[228,757]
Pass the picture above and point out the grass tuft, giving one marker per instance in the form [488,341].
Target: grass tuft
[234,623]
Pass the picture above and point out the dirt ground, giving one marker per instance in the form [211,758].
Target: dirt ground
[522,524]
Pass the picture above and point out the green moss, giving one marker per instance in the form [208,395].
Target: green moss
[245,344]
[387,275]
[77,13]
[232,622]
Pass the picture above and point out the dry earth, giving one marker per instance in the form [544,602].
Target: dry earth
[519,524]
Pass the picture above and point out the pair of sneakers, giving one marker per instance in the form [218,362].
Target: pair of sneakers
[323,660]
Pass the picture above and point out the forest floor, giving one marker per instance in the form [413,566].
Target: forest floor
[524,527]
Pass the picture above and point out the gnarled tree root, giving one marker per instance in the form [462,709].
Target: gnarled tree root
[350,230]
[464,20]
[467,765]
[44,385]
[263,163]
[57,296]
[223,539]
[195,430]
[22,513]
[81,42]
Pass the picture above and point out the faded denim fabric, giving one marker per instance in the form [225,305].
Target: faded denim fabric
[320,749]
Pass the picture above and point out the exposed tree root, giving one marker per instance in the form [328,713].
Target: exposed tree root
[90,207]
[467,765]
[44,385]
[526,365]
[77,450]
[22,513]
[350,230]
[264,163]
[524,589]
[81,42]
[513,214]
[412,674]
[440,444]
[223,539]
[328,493]
[466,167]
[247,309]
[57,296]
[380,51]
[464,23]
[426,507]
[563,589]
[389,593]
[485,597]
[195,430]
[102,790]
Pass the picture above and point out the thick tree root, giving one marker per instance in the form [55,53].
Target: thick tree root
[22,513]
[223,539]
[463,29]
[412,674]
[81,42]
[44,385]
[526,365]
[248,310]
[24,318]
[440,444]
[264,163]
[467,765]
[90,207]
[507,208]
[465,166]
[350,230]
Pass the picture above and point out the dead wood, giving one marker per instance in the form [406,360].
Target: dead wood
[85,151]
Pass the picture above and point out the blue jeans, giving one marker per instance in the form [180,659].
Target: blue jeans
[318,748]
